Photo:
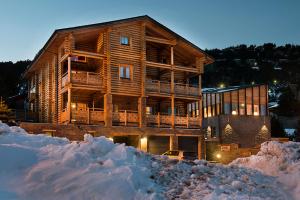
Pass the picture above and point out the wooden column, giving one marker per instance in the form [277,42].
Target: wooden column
[200,101]
[173,111]
[108,107]
[108,110]
[69,104]
[173,142]
[69,69]
[201,147]
[142,111]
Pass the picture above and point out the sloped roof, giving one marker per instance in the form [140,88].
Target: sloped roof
[109,23]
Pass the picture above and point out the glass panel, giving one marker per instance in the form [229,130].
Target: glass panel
[127,72]
[234,99]
[249,100]
[121,72]
[227,103]
[263,110]
[256,101]
[124,40]
[242,101]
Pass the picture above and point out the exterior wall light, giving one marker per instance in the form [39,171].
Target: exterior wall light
[73,105]
[144,143]
[234,112]
[218,155]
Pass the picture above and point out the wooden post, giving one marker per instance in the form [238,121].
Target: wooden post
[158,119]
[141,111]
[173,111]
[125,113]
[187,120]
[88,114]
[69,104]
[108,110]
[69,69]
[201,147]
[173,142]
[172,55]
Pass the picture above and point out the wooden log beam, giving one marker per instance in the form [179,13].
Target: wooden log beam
[160,40]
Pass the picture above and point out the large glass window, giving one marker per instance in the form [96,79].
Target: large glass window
[227,103]
[256,101]
[263,99]
[249,100]
[234,100]
[242,102]
[209,114]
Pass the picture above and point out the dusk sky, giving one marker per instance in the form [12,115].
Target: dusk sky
[27,25]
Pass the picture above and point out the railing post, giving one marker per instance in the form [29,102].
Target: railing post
[158,87]
[187,89]
[187,120]
[125,117]
[88,117]
[158,119]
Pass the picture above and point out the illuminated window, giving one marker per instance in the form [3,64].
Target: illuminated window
[125,72]
[256,110]
[124,40]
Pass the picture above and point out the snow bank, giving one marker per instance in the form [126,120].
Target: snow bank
[281,160]
[42,167]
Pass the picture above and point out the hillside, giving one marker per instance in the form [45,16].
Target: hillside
[259,64]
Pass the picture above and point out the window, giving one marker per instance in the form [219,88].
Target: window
[124,40]
[124,72]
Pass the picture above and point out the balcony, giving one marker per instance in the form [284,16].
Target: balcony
[164,120]
[126,118]
[186,90]
[164,88]
[89,116]
[158,87]
[83,78]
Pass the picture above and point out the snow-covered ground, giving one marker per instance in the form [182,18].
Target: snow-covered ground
[42,167]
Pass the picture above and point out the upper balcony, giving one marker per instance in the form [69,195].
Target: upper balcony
[82,78]
[156,87]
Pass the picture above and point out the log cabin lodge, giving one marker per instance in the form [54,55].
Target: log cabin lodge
[129,79]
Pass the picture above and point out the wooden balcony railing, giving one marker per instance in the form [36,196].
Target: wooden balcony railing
[85,78]
[89,116]
[125,117]
[159,87]
[186,89]
[165,120]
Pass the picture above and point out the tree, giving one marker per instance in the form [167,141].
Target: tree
[276,128]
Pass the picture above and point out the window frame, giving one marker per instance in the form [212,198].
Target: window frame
[123,68]
[128,40]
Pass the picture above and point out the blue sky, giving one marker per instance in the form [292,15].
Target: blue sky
[27,24]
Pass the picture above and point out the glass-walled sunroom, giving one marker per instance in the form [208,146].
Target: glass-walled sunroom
[247,101]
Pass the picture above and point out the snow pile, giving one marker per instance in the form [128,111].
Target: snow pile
[203,180]
[42,167]
[281,160]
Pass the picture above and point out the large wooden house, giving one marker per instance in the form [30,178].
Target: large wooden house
[128,77]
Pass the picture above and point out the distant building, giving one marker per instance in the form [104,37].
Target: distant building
[236,115]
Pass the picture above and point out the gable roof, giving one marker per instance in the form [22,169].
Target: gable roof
[109,23]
